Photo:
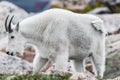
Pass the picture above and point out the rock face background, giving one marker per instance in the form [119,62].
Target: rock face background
[112,22]
[9,8]
[16,65]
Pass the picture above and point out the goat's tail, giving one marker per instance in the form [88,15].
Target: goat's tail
[99,25]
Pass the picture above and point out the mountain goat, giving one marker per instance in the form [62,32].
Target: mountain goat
[60,35]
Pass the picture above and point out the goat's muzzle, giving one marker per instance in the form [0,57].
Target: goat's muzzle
[9,53]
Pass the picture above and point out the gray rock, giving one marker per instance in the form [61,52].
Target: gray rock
[99,10]
[13,65]
[112,22]
[9,8]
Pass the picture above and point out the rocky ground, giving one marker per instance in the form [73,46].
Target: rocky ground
[13,65]
[20,65]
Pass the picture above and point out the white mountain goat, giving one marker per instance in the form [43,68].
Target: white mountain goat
[60,35]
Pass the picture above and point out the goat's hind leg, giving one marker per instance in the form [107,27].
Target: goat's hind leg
[99,60]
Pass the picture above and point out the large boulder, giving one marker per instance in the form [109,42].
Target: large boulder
[14,65]
[9,8]
[112,22]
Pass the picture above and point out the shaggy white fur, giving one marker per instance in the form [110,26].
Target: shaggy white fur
[60,35]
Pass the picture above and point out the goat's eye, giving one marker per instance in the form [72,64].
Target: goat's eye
[12,37]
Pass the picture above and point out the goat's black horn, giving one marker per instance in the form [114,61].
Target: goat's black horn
[9,26]
[6,23]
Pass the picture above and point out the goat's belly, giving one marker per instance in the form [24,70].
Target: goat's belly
[78,53]
[47,52]
[80,56]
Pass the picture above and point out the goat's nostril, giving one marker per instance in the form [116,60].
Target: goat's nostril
[7,52]
[12,54]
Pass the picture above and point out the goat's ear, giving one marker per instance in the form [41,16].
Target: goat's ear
[17,27]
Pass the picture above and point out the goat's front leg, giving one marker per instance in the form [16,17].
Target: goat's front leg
[38,63]
[61,61]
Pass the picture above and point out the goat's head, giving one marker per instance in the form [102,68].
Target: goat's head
[16,41]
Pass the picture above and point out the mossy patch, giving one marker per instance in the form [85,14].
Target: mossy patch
[34,77]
